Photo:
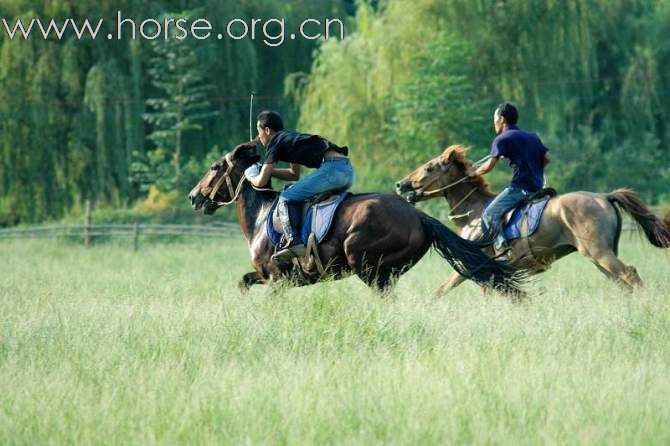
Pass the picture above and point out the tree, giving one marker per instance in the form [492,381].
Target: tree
[181,102]
[438,106]
[587,76]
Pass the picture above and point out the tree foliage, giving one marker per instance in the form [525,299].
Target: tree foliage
[181,104]
[71,111]
[589,76]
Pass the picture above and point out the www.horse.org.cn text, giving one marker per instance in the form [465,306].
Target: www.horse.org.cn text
[272,32]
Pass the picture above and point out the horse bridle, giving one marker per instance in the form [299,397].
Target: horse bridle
[234,192]
[433,192]
[439,190]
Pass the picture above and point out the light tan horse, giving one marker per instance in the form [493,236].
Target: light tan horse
[587,222]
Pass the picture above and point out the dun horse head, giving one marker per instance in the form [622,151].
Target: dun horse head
[223,181]
[436,176]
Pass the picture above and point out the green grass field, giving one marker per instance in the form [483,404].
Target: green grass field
[105,345]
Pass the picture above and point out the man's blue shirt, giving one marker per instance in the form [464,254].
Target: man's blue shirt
[525,153]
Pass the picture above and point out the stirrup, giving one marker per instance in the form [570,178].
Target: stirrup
[286,254]
[504,255]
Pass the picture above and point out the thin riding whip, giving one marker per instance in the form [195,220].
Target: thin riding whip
[251,114]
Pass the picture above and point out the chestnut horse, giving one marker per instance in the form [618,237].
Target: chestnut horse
[587,222]
[376,236]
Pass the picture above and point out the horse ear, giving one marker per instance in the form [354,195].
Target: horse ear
[447,156]
[456,152]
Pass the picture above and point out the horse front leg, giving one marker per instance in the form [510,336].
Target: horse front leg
[248,280]
[284,276]
[452,282]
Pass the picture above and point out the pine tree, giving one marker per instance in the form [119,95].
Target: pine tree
[181,103]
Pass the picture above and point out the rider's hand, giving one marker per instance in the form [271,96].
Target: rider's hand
[253,171]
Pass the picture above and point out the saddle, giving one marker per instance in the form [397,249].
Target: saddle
[524,220]
[316,217]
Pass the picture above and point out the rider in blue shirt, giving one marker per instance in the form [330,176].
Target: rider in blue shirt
[527,156]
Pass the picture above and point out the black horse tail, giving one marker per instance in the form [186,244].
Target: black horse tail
[656,230]
[467,258]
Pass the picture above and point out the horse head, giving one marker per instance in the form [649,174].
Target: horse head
[222,183]
[436,176]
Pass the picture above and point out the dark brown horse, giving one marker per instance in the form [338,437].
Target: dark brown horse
[378,237]
[587,222]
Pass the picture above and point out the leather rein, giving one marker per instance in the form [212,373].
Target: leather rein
[233,192]
[439,190]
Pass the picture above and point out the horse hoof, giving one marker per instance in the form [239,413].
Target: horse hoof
[243,287]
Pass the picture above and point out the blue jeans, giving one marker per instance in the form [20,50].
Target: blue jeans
[492,216]
[332,175]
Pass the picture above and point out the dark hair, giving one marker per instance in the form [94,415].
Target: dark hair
[270,119]
[509,112]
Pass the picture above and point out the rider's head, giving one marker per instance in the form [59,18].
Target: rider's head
[269,123]
[504,116]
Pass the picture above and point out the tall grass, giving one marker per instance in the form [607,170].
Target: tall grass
[110,346]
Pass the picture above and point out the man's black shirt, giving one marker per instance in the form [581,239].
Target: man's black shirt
[298,148]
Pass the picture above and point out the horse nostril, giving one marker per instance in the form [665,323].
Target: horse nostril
[398,185]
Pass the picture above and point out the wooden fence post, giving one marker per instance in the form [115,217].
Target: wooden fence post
[87,223]
[136,237]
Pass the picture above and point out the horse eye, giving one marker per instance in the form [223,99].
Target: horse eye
[214,167]
[429,169]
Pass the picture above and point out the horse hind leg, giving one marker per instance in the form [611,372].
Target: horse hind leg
[381,280]
[384,279]
[452,282]
[632,277]
[624,275]
[385,282]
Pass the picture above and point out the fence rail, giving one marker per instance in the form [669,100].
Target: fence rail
[88,233]
[134,230]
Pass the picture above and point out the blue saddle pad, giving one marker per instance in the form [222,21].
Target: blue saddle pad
[325,212]
[534,210]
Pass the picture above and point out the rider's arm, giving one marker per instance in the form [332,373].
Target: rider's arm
[486,167]
[498,149]
[290,174]
[262,179]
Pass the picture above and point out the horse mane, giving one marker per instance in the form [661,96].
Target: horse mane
[246,145]
[456,154]
[253,145]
